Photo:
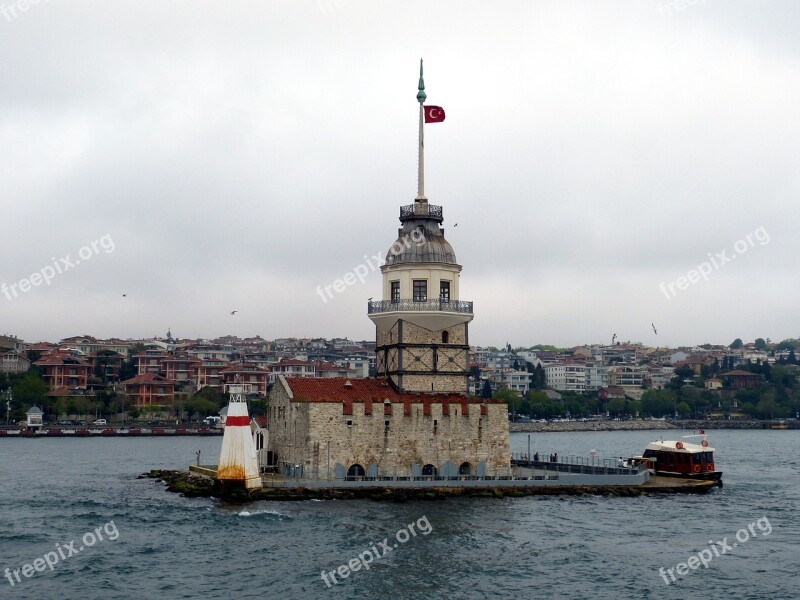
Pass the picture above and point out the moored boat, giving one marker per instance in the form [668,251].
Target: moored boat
[679,458]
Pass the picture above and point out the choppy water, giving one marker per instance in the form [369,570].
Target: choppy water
[53,491]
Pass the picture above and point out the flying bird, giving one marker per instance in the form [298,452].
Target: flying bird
[654,328]
[124,295]
[233,312]
[456,225]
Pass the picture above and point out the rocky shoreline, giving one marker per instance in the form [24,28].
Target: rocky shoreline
[640,425]
[589,426]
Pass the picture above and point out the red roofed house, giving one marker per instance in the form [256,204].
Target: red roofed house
[608,393]
[209,373]
[150,392]
[150,361]
[255,379]
[742,380]
[182,368]
[61,368]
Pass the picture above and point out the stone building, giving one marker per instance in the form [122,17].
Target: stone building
[336,428]
[415,419]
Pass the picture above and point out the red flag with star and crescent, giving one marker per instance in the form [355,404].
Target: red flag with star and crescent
[434,114]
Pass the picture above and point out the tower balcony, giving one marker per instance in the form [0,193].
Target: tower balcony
[455,306]
[431,314]
[421,210]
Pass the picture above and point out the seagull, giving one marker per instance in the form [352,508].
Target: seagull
[233,312]
[124,295]
[456,225]
[369,299]
[654,328]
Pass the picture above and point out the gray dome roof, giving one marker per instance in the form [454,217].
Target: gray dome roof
[421,241]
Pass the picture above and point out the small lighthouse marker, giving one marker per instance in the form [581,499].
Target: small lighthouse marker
[238,465]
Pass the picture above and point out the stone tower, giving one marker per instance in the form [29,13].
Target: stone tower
[421,324]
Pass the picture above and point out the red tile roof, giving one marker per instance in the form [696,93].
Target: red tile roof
[244,368]
[148,378]
[739,373]
[339,389]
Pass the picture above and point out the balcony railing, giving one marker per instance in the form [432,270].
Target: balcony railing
[456,306]
[420,209]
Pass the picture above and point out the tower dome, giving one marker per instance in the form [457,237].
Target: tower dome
[420,239]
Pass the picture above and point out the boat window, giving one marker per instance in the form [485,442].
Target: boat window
[648,454]
[709,457]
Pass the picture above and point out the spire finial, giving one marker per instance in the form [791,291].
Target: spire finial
[421,93]
[421,156]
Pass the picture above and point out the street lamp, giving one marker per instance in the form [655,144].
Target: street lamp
[9,398]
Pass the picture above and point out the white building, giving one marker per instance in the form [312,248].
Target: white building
[566,377]
[518,381]
[596,377]
[359,364]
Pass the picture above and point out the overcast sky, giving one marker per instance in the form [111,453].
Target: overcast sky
[236,155]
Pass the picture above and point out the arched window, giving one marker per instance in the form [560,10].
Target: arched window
[445,337]
[465,469]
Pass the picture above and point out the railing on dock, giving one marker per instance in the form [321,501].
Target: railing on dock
[580,465]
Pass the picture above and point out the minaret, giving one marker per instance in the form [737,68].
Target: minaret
[422,343]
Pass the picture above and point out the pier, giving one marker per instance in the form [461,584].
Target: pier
[539,478]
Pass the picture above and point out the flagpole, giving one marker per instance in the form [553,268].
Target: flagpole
[421,157]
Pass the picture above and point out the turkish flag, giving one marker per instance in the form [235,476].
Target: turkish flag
[434,114]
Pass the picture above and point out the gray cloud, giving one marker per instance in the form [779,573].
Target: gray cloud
[240,155]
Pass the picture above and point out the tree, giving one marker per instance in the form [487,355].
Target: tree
[128,368]
[761,344]
[767,407]
[201,406]
[486,392]
[789,344]
[736,344]
[684,410]
[30,390]
[541,377]
[657,403]
[511,398]
[616,406]
[792,359]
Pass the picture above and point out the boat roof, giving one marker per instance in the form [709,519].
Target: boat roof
[670,446]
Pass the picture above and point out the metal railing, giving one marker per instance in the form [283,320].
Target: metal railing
[576,464]
[420,210]
[457,306]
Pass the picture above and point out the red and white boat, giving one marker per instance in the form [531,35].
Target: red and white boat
[680,458]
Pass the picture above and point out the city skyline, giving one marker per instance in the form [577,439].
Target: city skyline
[609,168]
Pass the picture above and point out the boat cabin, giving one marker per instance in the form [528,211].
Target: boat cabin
[681,459]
